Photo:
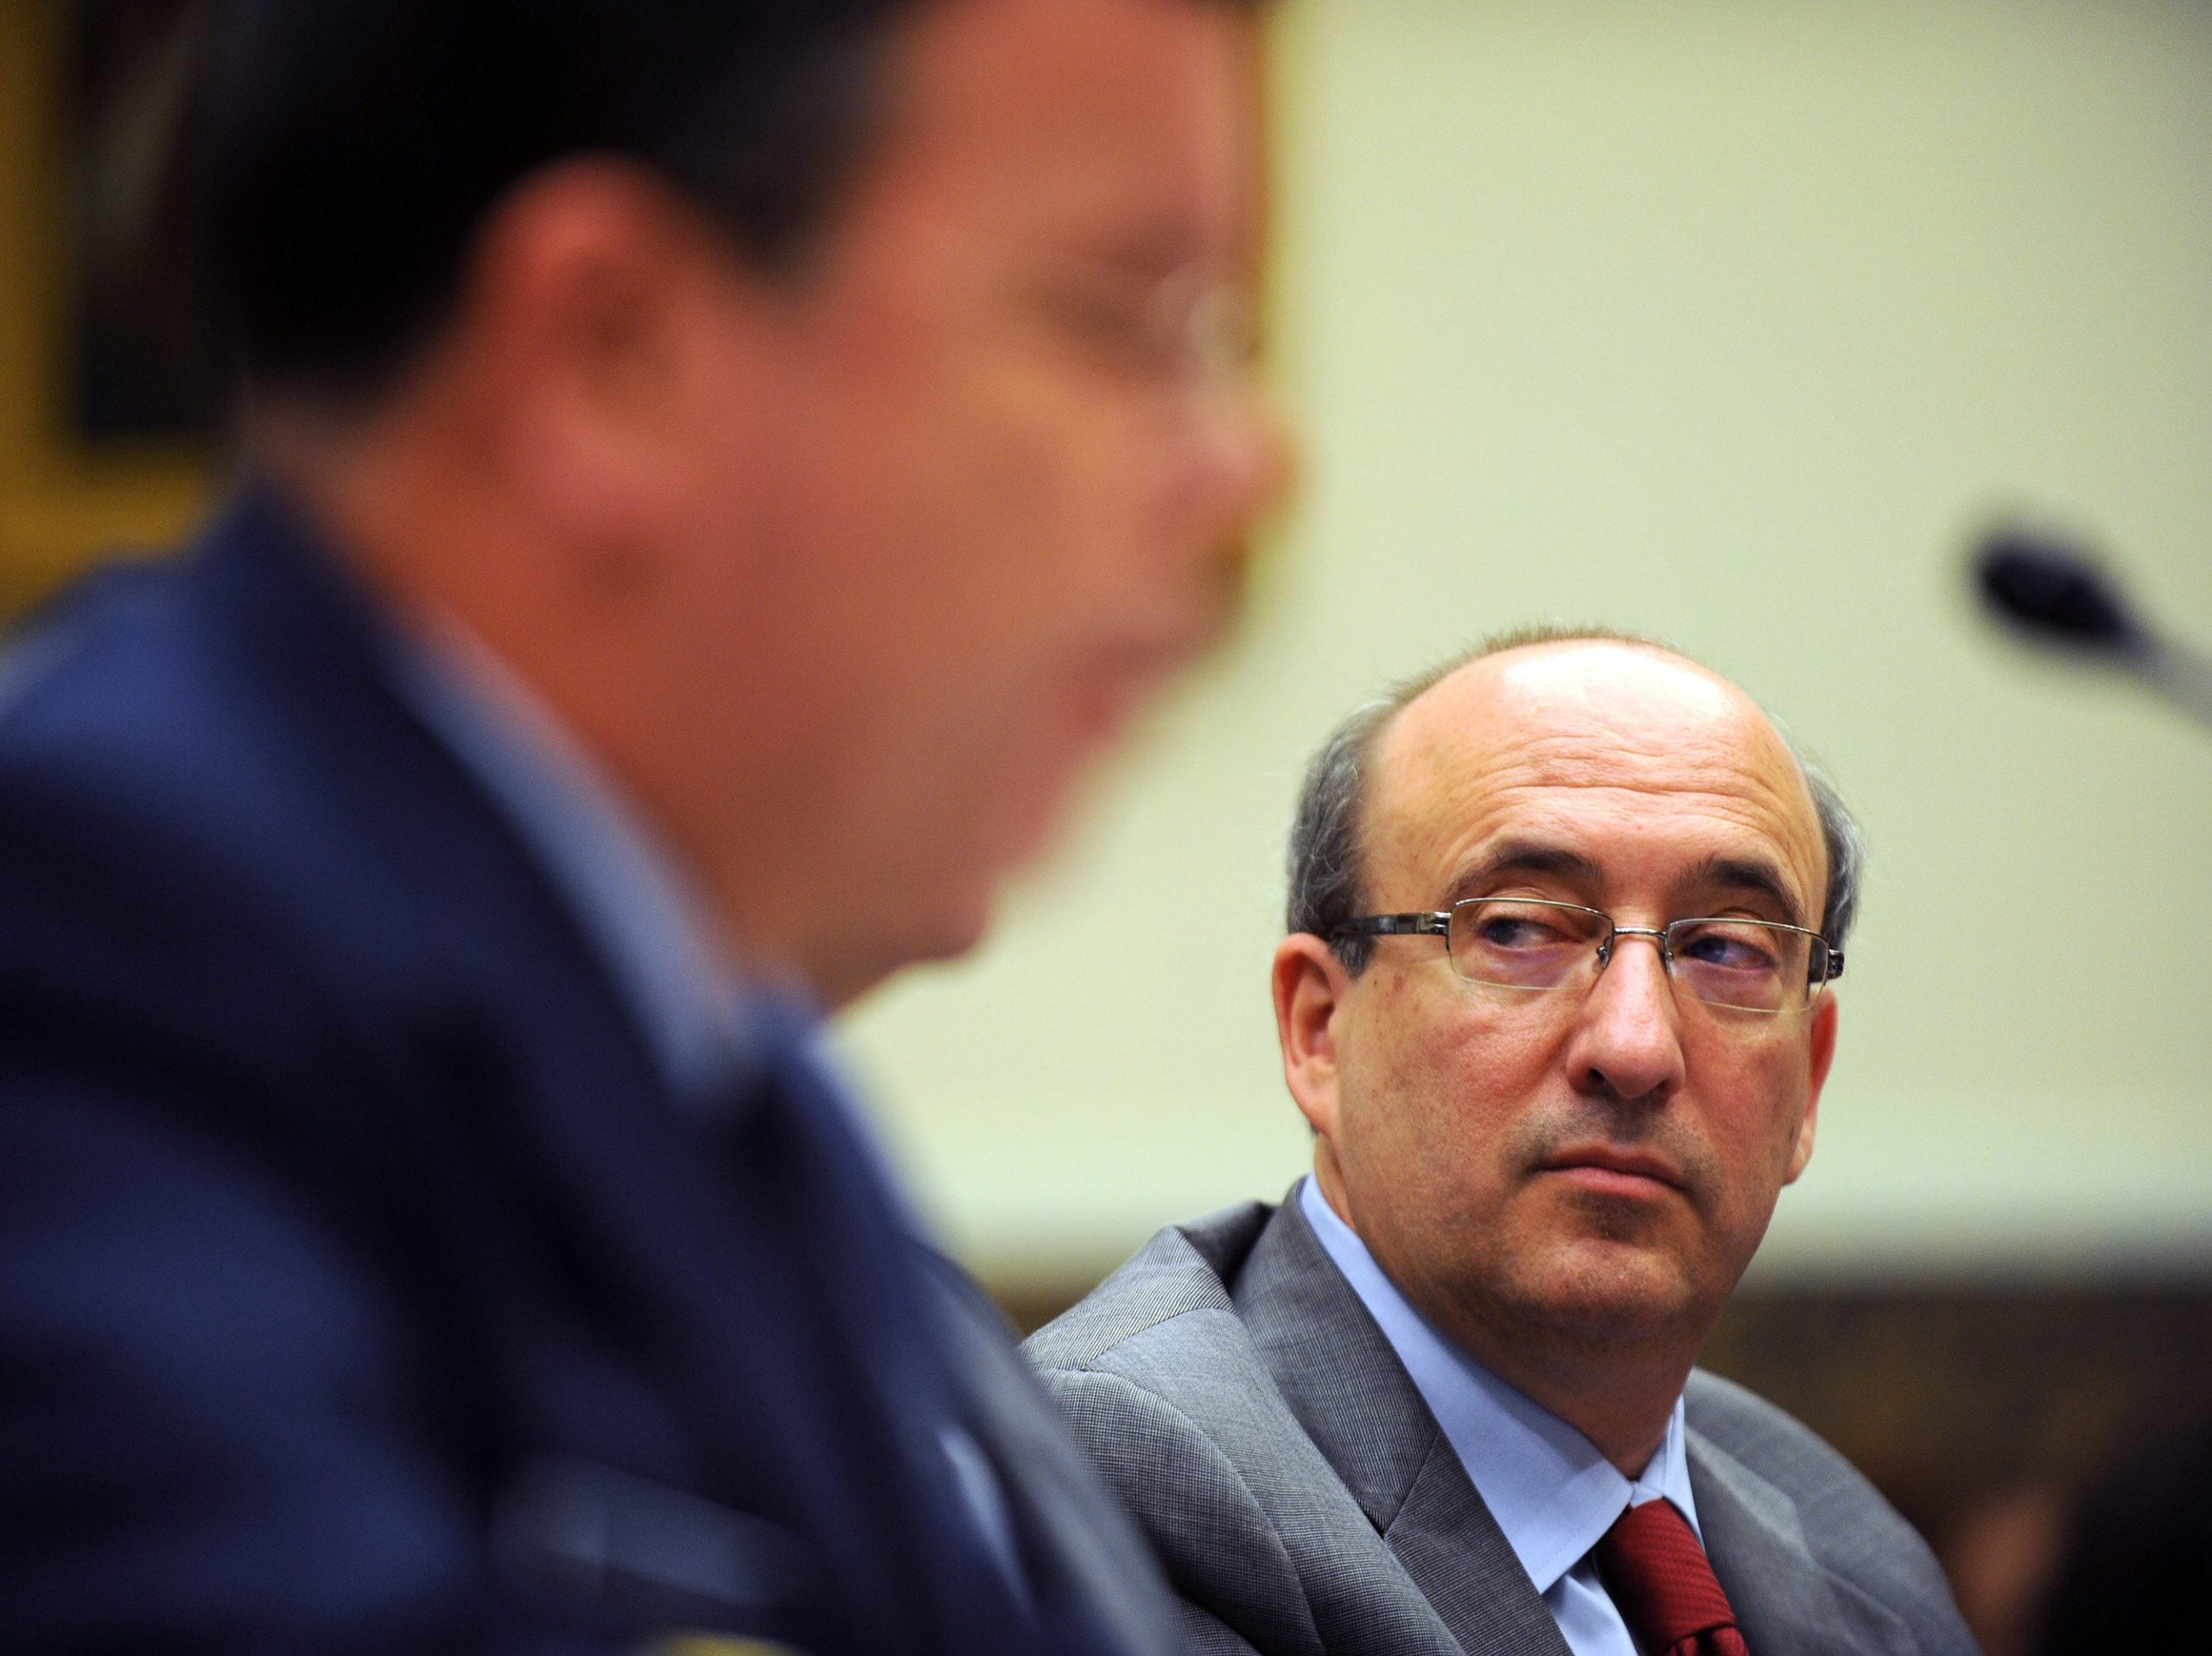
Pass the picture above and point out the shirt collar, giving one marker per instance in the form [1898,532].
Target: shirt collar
[1552,1493]
[705,1024]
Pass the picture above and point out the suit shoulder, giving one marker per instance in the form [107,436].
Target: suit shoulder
[1154,1370]
[198,925]
[206,779]
[1776,1444]
[1155,1298]
[150,854]
[1850,1529]
[115,670]
[1160,1382]
[1164,1386]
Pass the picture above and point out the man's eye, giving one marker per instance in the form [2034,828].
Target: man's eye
[1729,952]
[1114,314]
[1517,932]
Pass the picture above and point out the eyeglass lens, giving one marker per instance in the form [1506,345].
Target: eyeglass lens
[1747,964]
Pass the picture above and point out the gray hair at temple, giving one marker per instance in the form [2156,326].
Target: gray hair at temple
[1324,835]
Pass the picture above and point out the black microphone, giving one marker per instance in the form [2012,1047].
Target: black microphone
[2057,595]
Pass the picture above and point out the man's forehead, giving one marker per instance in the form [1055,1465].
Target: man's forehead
[1583,735]
[1519,704]
[1139,107]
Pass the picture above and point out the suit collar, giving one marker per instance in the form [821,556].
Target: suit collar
[1785,1601]
[1334,1366]
[1348,1390]
[304,615]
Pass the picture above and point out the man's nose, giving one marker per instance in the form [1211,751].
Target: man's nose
[1627,1041]
[1246,454]
[1242,463]
[1270,450]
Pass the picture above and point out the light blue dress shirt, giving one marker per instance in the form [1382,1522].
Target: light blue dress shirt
[1551,1492]
[706,1027]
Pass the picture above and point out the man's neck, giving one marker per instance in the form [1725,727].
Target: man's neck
[1619,1400]
[428,536]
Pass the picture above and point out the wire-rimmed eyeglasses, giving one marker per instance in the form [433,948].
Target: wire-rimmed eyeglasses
[1189,324]
[1522,943]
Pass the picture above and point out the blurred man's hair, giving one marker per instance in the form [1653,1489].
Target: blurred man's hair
[1326,833]
[349,150]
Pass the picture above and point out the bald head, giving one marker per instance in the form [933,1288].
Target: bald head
[1603,709]
[1568,741]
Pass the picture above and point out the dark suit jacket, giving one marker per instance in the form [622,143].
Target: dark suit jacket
[1233,1390]
[361,1287]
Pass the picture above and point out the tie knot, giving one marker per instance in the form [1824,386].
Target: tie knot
[1661,1581]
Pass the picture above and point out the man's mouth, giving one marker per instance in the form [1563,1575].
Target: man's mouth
[1606,1170]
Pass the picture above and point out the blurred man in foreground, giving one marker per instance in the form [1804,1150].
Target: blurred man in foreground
[716,471]
[1555,1004]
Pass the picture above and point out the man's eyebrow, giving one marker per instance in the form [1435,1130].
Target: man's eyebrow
[1526,856]
[1745,874]
[1752,875]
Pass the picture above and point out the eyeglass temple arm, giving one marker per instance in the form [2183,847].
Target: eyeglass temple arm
[1435,925]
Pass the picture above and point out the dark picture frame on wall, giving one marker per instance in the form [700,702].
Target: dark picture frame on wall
[139,366]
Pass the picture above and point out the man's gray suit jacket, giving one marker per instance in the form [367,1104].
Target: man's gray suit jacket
[1236,1393]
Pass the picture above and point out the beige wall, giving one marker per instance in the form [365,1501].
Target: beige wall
[1725,321]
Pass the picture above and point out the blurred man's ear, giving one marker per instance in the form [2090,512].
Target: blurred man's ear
[1309,982]
[599,314]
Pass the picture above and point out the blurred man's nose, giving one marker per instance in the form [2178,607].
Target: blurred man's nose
[1627,1040]
[1258,453]
[1243,466]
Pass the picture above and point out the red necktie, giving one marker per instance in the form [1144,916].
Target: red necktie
[1663,1586]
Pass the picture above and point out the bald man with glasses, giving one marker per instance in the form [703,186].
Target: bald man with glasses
[1557,1002]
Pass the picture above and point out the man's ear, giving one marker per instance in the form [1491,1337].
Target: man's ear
[586,303]
[1309,984]
[1821,1058]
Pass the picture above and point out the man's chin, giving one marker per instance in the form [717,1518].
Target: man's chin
[954,901]
[1603,1292]
[839,981]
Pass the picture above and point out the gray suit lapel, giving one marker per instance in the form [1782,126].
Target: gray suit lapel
[1348,1390]
[1786,1603]
[1458,1558]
